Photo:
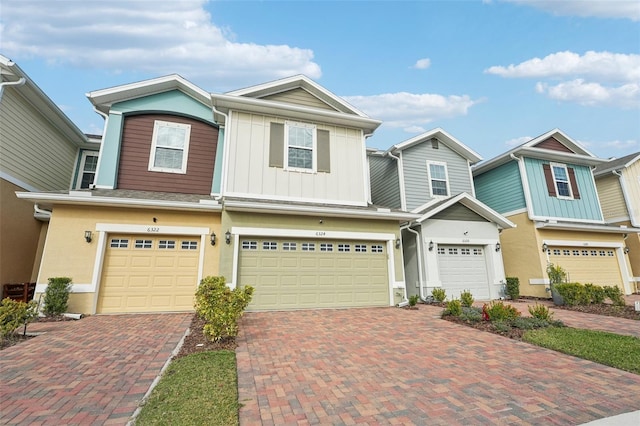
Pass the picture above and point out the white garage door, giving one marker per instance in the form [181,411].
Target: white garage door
[295,273]
[149,274]
[463,268]
[588,265]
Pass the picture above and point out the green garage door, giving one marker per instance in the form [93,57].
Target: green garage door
[296,273]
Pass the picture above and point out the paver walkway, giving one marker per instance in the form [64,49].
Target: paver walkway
[397,366]
[89,372]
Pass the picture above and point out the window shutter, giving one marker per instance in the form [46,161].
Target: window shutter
[551,186]
[276,145]
[324,151]
[574,183]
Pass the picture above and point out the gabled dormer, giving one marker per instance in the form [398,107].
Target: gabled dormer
[159,135]
[293,140]
[431,166]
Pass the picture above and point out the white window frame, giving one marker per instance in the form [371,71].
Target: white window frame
[314,149]
[446,174]
[555,182]
[81,170]
[154,145]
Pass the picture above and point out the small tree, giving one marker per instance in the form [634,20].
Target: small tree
[13,314]
[56,296]
[513,288]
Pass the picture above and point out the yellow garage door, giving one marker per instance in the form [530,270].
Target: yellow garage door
[149,274]
[294,273]
[588,265]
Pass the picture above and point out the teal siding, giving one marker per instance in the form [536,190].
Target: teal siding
[110,153]
[501,188]
[385,184]
[544,205]
[173,101]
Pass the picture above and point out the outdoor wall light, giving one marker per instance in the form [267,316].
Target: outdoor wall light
[626,250]
[227,237]
[87,236]
[213,238]
[398,242]
[545,247]
[430,245]
[497,246]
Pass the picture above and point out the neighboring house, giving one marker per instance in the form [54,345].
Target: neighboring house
[40,150]
[266,186]
[618,185]
[547,188]
[453,243]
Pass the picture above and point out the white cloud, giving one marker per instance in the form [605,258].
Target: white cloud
[422,64]
[517,141]
[409,111]
[628,145]
[624,9]
[591,94]
[152,37]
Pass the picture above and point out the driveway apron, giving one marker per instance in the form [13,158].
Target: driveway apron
[398,366]
[92,371]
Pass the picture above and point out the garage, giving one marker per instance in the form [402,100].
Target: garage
[149,274]
[307,273]
[463,268]
[595,265]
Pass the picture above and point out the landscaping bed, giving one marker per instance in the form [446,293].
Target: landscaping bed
[606,309]
[197,342]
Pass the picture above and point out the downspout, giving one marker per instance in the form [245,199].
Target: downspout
[19,82]
[403,201]
[626,198]
[225,148]
[420,260]
[41,214]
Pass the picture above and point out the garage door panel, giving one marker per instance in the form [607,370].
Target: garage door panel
[463,268]
[595,265]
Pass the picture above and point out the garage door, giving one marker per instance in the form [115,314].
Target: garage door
[293,273]
[588,265]
[463,268]
[143,274]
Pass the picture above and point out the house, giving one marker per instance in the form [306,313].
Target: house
[453,244]
[40,150]
[266,185]
[618,185]
[546,187]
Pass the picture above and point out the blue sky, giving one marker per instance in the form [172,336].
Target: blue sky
[491,73]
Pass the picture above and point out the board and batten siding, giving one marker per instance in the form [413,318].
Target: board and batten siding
[501,188]
[416,177]
[298,97]
[385,184]
[33,150]
[249,172]
[586,207]
[611,198]
[631,176]
[133,170]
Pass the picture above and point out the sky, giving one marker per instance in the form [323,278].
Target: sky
[492,73]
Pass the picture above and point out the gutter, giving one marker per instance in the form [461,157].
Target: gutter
[41,214]
[19,82]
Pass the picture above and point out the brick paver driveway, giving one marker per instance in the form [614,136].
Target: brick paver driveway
[395,366]
[92,371]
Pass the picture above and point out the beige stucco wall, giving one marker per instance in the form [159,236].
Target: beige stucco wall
[66,252]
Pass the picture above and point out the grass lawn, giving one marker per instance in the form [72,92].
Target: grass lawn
[198,389]
[622,352]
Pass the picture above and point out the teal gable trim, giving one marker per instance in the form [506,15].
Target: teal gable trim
[501,188]
[173,101]
[217,171]
[587,207]
[110,153]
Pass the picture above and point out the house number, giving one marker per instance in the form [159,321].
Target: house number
[465,240]
[320,234]
[153,229]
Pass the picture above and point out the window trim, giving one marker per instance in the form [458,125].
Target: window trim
[555,181]
[446,173]
[157,124]
[81,171]
[313,149]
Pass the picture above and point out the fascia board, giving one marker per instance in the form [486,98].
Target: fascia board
[608,170]
[473,205]
[564,138]
[586,227]
[445,138]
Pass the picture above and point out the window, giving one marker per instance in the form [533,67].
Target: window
[167,244]
[556,252]
[441,250]
[566,252]
[326,247]
[300,140]
[299,147]
[344,248]
[143,244]
[249,245]
[453,251]
[119,243]
[438,179]
[465,251]
[289,246]
[609,252]
[269,245]
[477,252]
[87,170]
[561,178]
[585,252]
[189,245]
[308,247]
[169,147]
[360,248]
[376,248]
[561,181]
[576,252]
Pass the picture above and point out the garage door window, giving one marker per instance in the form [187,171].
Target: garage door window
[189,245]
[166,244]
[119,243]
[360,248]
[344,248]
[269,245]
[143,244]
[477,252]
[326,247]
[249,245]
[289,246]
[308,247]
[376,248]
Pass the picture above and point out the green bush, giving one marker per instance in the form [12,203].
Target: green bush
[439,294]
[220,307]
[595,293]
[413,300]
[529,323]
[466,299]
[453,307]
[614,294]
[498,311]
[56,296]
[13,314]
[572,293]
[556,274]
[471,314]
[540,312]
[513,288]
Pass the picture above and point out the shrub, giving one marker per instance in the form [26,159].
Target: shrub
[529,323]
[439,294]
[540,312]
[572,293]
[614,294]
[466,298]
[413,300]
[556,274]
[56,296]
[453,307]
[13,314]
[498,311]
[513,288]
[220,307]
[471,314]
[596,293]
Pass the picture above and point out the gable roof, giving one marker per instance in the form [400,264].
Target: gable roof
[616,164]
[443,137]
[103,99]
[571,152]
[434,207]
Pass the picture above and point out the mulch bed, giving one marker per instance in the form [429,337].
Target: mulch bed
[513,333]
[196,341]
[627,311]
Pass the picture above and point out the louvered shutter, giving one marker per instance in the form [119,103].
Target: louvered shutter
[548,177]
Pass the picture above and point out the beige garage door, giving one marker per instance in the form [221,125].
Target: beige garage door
[149,274]
[463,268]
[588,265]
[293,273]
